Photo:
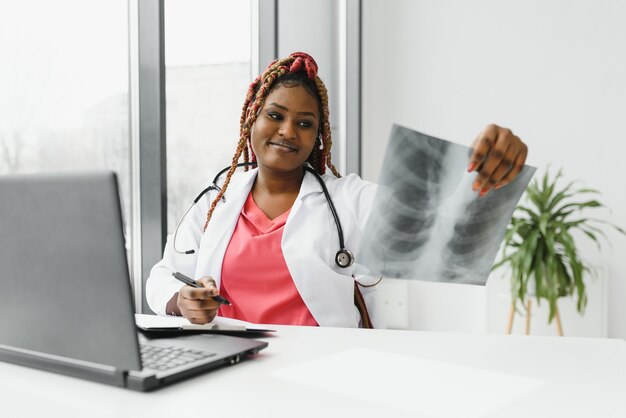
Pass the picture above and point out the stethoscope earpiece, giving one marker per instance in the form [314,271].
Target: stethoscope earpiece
[343,258]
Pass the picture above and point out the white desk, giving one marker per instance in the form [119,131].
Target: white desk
[330,372]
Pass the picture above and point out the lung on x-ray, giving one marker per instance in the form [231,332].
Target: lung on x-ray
[427,223]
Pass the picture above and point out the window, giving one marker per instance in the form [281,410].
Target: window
[208,51]
[64,84]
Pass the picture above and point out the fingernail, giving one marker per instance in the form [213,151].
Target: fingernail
[471,167]
[497,186]
[483,192]
[475,186]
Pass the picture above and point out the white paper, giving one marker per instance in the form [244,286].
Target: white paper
[178,322]
[174,322]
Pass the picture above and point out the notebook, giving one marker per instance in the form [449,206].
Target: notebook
[156,325]
[66,293]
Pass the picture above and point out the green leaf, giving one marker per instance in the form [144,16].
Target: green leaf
[593,237]
[587,190]
[538,270]
[615,227]
[502,262]
[578,206]
[570,224]
[533,216]
[561,215]
[596,230]
[529,252]
[563,194]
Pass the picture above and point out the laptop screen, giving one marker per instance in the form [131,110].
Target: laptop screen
[64,276]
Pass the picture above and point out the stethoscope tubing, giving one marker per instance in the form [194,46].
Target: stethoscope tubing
[331,206]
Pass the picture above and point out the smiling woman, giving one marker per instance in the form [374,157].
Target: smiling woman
[276,217]
[284,127]
[285,132]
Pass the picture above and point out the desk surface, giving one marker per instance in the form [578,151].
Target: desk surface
[330,372]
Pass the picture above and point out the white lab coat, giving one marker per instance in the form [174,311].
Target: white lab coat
[309,245]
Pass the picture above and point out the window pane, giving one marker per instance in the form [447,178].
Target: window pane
[64,84]
[208,70]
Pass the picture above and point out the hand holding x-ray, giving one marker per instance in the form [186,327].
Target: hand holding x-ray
[498,156]
[428,222]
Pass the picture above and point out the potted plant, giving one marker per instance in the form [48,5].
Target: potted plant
[540,248]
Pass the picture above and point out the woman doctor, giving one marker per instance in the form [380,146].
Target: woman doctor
[265,240]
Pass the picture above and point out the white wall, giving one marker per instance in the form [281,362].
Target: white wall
[553,71]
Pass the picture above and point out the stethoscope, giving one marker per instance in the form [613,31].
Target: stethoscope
[343,258]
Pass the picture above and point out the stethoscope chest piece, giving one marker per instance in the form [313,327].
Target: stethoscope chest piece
[344,258]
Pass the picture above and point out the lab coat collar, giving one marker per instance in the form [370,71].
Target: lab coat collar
[245,181]
[309,185]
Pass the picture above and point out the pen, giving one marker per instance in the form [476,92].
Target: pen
[191,282]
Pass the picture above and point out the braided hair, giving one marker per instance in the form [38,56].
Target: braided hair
[298,69]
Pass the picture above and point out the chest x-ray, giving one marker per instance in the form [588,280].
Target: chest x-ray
[427,223]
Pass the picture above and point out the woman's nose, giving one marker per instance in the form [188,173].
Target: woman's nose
[287,130]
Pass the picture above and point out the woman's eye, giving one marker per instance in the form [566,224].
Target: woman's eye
[274,116]
[305,124]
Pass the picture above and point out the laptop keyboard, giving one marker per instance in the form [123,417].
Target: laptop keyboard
[165,358]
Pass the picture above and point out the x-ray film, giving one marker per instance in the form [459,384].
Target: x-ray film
[427,223]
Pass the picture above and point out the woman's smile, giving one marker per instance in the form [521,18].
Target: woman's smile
[283,146]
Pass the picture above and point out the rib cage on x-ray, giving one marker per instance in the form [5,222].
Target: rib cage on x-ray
[426,221]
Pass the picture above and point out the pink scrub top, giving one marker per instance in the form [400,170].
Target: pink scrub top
[255,277]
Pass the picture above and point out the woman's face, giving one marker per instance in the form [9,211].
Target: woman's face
[284,132]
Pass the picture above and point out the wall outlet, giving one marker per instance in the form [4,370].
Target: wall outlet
[394,296]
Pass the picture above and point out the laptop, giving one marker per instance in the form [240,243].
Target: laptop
[66,293]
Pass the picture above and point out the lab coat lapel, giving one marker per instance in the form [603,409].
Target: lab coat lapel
[309,185]
[223,221]
[312,275]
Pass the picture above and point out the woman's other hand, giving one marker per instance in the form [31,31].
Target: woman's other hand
[197,304]
[498,157]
